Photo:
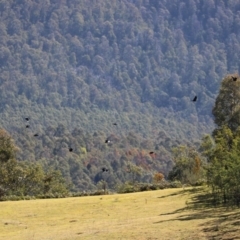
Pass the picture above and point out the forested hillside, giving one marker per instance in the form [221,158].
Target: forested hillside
[75,67]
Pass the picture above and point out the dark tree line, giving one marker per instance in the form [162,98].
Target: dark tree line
[77,66]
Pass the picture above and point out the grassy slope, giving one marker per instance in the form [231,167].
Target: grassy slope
[165,214]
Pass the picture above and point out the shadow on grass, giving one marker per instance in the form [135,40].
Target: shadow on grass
[225,226]
[183,192]
[222,222]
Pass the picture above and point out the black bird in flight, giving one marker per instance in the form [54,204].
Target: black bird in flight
[107,141]
[104,169]
[70,149]
[194,99]
[234,78]
[35,135]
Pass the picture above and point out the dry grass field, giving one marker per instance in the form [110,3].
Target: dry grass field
[164,214]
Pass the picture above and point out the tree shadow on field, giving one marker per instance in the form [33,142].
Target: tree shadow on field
[222,222]
[183,192]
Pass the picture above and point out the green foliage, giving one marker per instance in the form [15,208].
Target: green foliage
[54,183]
[223,154]
[116,57]
[188,166]
[206,147]
[134,171]
[102,185]
[92,63]
[81,168]
[24,178]
[226,110]
[223,170]
[129,187]
[7,147]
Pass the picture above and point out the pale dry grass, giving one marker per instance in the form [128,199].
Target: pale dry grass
[164,214]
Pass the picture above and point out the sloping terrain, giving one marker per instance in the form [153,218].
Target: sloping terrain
[84,65]
[164,214]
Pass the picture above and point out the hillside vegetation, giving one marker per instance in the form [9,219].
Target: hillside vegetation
[76,67]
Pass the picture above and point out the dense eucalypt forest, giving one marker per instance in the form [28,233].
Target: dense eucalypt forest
[76,67]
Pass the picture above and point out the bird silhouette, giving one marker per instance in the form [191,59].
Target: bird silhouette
[234,78]
[27,119]
[104,169]
[194,99]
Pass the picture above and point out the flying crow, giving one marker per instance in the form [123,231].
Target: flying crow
[194,99]
[104,169]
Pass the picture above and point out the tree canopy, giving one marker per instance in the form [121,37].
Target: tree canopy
[24,178]
[222,150]
[76,67]
[7,147]
[226,110]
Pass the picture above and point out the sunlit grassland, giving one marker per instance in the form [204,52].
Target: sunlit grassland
[163,214]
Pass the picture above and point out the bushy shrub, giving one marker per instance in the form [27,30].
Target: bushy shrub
[100,192]
[140,187]
[126,188]
[175,184]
